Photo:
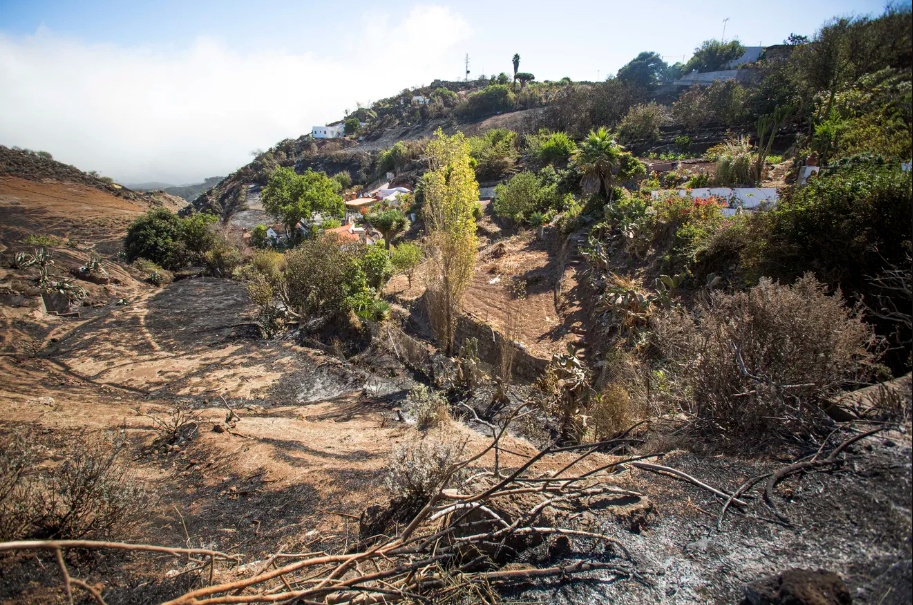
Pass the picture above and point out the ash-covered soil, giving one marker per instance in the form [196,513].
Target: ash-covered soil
[855,521]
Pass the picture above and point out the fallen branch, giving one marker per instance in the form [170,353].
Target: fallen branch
[775,477]
[656,468]
[447,546]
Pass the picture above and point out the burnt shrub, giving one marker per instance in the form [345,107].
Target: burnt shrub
[419,469]
[91,494]
[758,363]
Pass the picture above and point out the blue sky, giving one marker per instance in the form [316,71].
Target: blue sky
[177,91]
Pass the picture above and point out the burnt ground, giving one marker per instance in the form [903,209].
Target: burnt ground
[309,451]
[854,521]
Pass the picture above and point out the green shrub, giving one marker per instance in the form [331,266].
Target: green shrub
[734,165]
[169,240]
[550,148]
[873,116]
[494,153]
[47,241]
[525,194]
[844,227]
[344,178]
[376,264]
[400,155]
[258,237]
[683,143]
[405,258]
[223,257]
[153,273]
[642,122]
[492,99]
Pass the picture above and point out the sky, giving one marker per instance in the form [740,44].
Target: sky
[176,91]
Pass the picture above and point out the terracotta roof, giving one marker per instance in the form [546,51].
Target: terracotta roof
[343,233]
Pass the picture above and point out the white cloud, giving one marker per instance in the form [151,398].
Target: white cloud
[178,115]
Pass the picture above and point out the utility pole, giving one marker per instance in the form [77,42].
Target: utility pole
[467,67]
[724,28]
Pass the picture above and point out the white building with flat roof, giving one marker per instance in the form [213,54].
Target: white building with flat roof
[328,132]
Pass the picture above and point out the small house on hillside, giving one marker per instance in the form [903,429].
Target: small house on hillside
[420,100]
[350,234]
[328,132]
[391,195]
[275,233]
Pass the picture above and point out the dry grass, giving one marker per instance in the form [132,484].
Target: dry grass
[609,412]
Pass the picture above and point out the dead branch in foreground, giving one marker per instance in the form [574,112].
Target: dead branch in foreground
[775,477]
[450,546]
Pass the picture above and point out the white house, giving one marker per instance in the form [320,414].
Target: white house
[420,100]
[328,132]
[391,195]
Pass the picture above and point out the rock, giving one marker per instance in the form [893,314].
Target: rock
[798,587]
[863,402]
[218,428]
[630,511]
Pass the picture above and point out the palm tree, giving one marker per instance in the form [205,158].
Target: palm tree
[600,158]
[516,66]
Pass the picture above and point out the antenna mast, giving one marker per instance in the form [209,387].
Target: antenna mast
[467,67]
[724,28]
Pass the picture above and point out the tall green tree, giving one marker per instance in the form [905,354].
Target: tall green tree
[646,69]
[290,197]
[516,61]
[451,194]
[713,55]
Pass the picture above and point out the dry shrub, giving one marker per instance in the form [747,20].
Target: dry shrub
[177,425]
[757,362]
[90,494]
[429,408]
[419,469]
[609,412]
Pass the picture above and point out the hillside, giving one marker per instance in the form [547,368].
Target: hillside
[186,192]
[632,341]
[45,198]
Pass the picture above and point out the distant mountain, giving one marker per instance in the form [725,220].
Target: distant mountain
[187,192]
[150,186]
[41,167]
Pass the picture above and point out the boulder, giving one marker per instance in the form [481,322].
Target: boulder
[863,403]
